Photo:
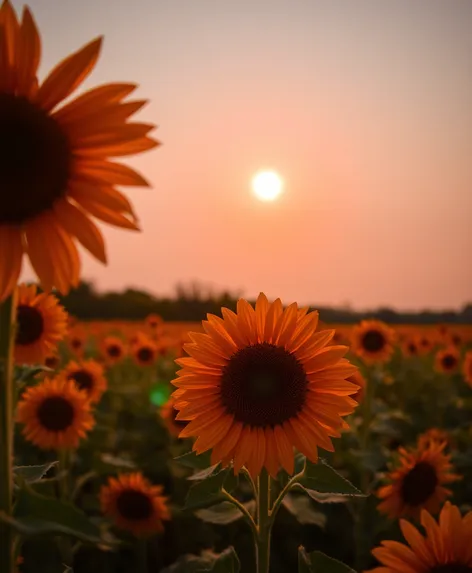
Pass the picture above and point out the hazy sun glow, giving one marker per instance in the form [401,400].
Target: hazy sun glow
[267,185]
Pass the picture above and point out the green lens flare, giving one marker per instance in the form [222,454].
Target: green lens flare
[159,395]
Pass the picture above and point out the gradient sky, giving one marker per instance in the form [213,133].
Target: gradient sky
[364,107]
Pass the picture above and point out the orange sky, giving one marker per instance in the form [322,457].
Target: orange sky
[364,107]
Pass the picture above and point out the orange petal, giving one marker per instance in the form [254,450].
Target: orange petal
[105,214]
[11,256]
[119,149]
[68,75]
[29,54]
[78,224]
[109,173]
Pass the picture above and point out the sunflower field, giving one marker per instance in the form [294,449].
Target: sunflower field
[260,440]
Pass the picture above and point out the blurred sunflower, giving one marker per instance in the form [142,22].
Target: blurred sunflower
[372,340]
[361,382]
[76,342]
[52,361]
[113,349]
[425,344]
[144,352]
[467,367]
[418,483]
[54,165]
[55,414]
[411,347]
[444,548]
[261,382]
[447,360]
[168,413]
[87,376]
[434,435]
[154,321]
[40,323]
[134,504]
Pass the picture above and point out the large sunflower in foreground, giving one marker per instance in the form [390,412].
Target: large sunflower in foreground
[88,376]
[168,414]
[56,415]
[418,482]
[261,382]
[41,322]
[55,172]
[373,340]
[444,548]
[134,504]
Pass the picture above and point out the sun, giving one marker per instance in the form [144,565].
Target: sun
[267,185]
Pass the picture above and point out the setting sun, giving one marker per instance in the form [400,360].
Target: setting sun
[267,185]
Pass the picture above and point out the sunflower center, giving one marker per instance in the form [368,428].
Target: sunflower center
[134,505]
[412,348]
[145,354]
[56,414]
[30,324]
[83,380]
[373,341]
[449,361]
[114,351]
[35,159]
[419,484]
[263,385]
[76,343]
[451,568]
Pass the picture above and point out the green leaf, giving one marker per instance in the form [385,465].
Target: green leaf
[322,478]
[26,373]
[224,513]
[207,492]
[32,474]
[227,562]
[318,562]
[302,508]
[203,474]
[35,514]
[117,462]
[194,461]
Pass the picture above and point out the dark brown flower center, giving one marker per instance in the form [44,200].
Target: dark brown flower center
[35,158]
[56,414]
[449,362]
[83,380]
[30,323]
[412,348]
[76,343]
[134,505]
[114,351]
[419,484]
[52,362]
[424,342]
[145,354]
[373,341]
[451,568]
[263,385]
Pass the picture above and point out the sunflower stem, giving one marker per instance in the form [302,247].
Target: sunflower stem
[243,509]
[282,494]
[141,556]
[7,398]
[264,523]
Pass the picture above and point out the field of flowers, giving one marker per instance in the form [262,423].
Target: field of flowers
[105,478]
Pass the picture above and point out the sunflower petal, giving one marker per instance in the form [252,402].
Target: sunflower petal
[29,54]
[68,75]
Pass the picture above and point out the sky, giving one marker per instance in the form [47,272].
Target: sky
[364,108]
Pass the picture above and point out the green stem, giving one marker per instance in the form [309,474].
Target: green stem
[141,556]
[264,522]
[7,321]
[282,494]
[65,544]
[243,509]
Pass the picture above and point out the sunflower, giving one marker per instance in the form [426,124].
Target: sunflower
[361,383]
[40,323]
[434,435]
[447,360]
[425,344]
[76,342]
[134,504]
[54,161]
[445,547]
[113,349]
[52,361]
[411,347]
[55,414]
[168,413]
[261,382]
[372,340]
[467,367]
[154,321]
[418,483]
[144,352]
[87,376]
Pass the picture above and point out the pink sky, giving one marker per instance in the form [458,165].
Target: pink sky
[363,107]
